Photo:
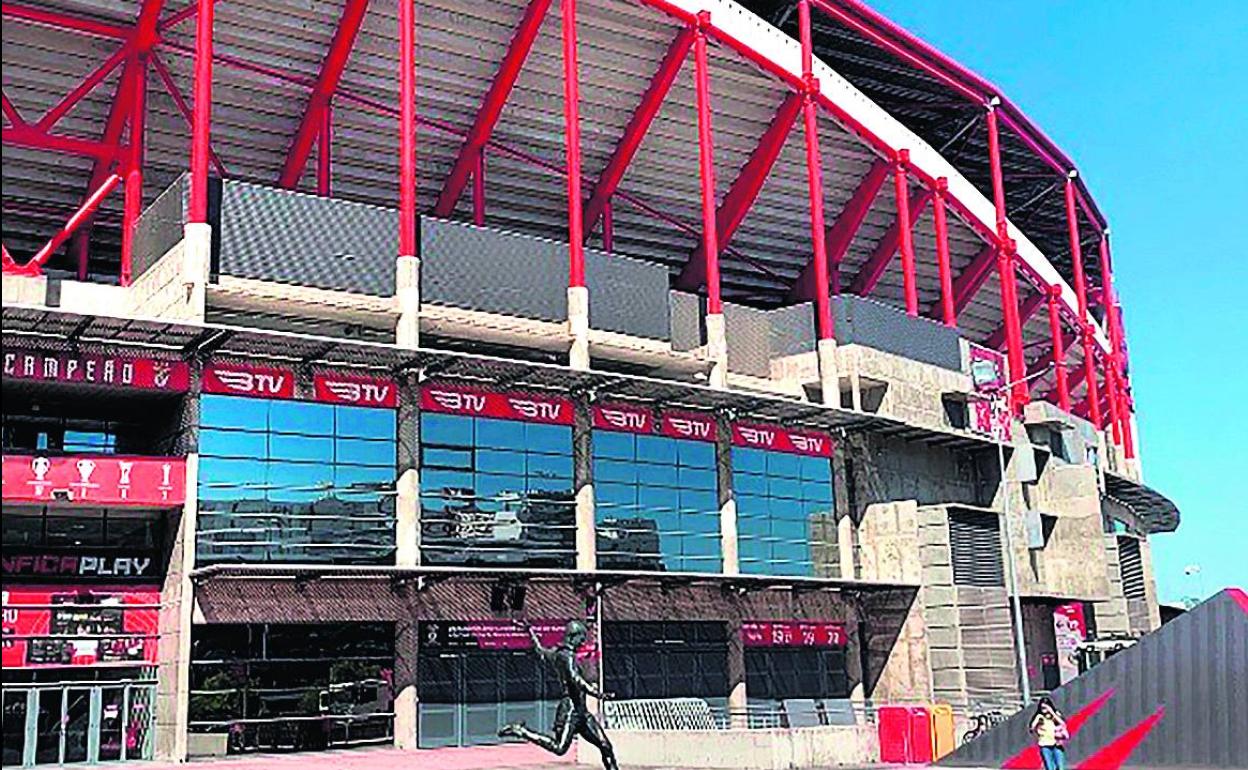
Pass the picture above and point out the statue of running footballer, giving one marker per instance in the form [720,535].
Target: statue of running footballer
[572,716]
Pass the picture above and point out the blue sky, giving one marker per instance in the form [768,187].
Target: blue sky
[1150,99]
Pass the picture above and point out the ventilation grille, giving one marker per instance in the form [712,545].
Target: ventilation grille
[975,545]
[1131,566]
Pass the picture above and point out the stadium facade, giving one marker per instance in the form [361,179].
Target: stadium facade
[767,339]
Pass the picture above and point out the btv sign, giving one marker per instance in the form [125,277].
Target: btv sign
[779,439]
[249,380]
[473,402]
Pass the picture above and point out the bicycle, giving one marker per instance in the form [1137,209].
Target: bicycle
[983,723]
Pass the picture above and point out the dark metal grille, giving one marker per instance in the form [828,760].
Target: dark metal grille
[975,545]
[1131,567]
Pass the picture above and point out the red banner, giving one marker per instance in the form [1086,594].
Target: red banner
[990,416]
[119,371]
[779,439]
[497,635]
[355,389]
[474,402]
[95,480]
[693,425]
[237,379]
[80,626]
[623,417]
[768,633]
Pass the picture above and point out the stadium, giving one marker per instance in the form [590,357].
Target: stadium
[339,335]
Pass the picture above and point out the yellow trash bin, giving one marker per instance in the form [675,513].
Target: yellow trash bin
[942,730]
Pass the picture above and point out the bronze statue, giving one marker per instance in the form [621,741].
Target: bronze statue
[572,716]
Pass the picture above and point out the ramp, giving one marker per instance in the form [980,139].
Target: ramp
[1177,699]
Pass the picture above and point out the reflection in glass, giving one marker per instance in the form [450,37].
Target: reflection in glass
[295,481]
[786,521]
[496,492]
[656,502]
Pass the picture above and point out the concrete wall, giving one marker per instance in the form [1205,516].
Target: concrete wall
[805,747]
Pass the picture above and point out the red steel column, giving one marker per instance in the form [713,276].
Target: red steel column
[133,205]
[407,128]
[948,313]
[201,127]
[1059,350]
[1109,300]
[901,187]
[814,179]
[324,153]
[706,167]
[1081,295]
[572,137]
[1005,268]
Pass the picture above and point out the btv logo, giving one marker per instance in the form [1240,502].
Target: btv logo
[259,383]
[691,428]
[455,401]
[625,420]
[536,410]
[758,436]
[809,444]
[359,392]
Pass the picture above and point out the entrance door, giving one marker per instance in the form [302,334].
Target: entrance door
[16,738]
[81,723]
[65,724]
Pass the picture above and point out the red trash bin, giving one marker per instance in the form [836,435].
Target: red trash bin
[894,725]
[920,734]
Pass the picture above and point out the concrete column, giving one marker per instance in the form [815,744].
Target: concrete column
[738,696]
[407,485]
[196,268]
[407,302]
[727,500]
[583,483]
[717,349]
[578,327]
[406,652]
[829,379]
[176,614]
[855,384]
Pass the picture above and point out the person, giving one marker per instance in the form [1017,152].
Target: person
[1051,733]
[572,716]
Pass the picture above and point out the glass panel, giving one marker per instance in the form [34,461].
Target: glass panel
[77,724]
[48,728]
[781,510]
[14,705]
[318,488]
[514,507]
[112,722]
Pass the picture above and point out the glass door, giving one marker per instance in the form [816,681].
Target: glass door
[48,727]
[80,720]
[16,731]
[113,709]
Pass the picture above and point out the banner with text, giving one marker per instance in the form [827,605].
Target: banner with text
[108,370]
[773,633]
[775,438]
[80,626]
[475,402]
[95,480]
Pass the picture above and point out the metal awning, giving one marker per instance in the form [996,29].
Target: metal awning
[1153,510]
[426,575]
[57,329]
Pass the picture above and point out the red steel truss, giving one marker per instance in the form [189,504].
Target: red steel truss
[118,160]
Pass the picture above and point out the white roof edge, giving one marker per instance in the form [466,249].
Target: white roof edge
[785,52]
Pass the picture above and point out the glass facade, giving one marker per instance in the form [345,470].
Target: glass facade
[656,503]
[496,492]
[305,687]
[295,481]
[667,660]
[786,521]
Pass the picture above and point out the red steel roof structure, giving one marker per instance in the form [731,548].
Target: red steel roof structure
[757,166]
